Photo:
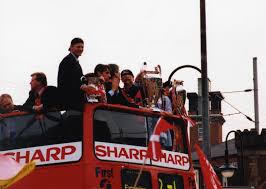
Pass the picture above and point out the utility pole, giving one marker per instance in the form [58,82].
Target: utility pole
[205,87]
[256,96]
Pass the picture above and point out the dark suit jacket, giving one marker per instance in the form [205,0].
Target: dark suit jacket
[49,99]
[68,83]
[118,98]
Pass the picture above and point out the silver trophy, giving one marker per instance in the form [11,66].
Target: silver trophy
[152,86]
[92,85]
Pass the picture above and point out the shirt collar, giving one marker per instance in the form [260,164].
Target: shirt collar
[74,56]
[41,91]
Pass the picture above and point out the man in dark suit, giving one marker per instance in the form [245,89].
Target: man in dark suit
[69,77]
[41,97]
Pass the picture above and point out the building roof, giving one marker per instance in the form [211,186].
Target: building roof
[218,150]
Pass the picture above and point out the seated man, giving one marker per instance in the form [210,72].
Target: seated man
[102,70]
[7,105]
[41,97]
[103,73]
[115,96]
[131,92]
[114,70]
[115,73]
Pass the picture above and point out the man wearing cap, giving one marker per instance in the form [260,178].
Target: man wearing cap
[130,91]
[115,95]
[69,75]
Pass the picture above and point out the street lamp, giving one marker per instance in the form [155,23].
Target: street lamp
[205,88]
[228,170]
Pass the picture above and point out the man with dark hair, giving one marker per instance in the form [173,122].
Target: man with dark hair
[115,94]
[114,70]
[115,77]
[129,96]
[102,70]
[69,77]
[40,77]
[41,97]
[130,91]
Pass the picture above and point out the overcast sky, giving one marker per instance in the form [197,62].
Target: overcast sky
[35,36]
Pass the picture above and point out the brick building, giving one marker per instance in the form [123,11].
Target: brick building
[216,117]
[254,152]
[254,144]
[254,159]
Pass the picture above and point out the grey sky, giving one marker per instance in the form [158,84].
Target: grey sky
[35,36]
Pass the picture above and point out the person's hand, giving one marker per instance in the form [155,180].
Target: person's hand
[87,88]
[38,108]
[163,113]
[145,108]
[83,87]
[102,80]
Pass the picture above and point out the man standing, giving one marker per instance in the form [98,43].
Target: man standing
[69,77]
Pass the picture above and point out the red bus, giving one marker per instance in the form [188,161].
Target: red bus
[102,147]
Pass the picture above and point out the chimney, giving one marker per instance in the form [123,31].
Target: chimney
[216,97]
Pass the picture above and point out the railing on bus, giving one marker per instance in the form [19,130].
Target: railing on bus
[23,132]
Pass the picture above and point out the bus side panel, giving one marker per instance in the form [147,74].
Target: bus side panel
[65,176]
[103,175]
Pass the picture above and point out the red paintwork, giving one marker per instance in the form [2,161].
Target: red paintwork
[81,175]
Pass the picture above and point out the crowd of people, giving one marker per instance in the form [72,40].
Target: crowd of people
[74,88]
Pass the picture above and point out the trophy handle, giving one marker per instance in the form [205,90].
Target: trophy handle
[157,70]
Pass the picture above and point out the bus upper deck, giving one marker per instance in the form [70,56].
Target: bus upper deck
[105,146]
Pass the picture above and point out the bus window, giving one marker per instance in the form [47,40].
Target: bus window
[179,138]
[172,140]
[38,130]
[120,128]
[124,137]
[165,137]
[129,177]
[166,181]
[132,129]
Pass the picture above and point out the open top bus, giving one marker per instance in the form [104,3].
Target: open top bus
[104,146]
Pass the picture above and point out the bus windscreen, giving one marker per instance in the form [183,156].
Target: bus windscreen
[124,137]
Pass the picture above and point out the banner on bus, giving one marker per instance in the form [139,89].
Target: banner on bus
[137,154]
[49,154]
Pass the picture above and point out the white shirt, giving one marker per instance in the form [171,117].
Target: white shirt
[168,104]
